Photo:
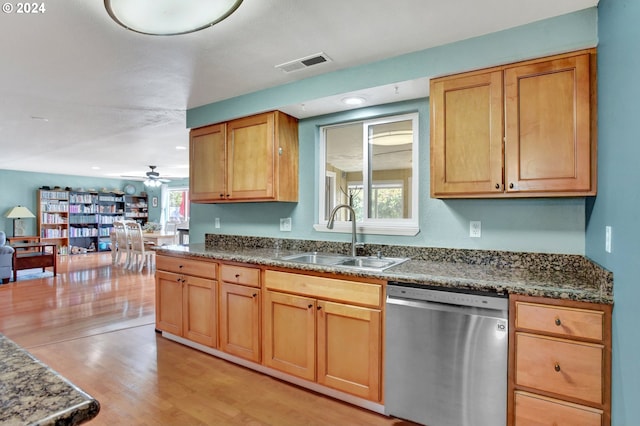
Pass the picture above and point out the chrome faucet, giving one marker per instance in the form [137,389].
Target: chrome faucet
[332,218]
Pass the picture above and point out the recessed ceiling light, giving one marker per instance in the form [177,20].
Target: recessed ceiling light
[39,118]
[181,147]
[95,168]
[353,100]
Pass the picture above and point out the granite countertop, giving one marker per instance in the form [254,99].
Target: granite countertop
[556,276]
[33,394]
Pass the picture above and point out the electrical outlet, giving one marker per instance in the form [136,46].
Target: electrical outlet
[475,229]
[217,222]
[607,239]
[285,224]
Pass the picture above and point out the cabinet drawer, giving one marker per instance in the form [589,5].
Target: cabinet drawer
[325,288]
[564,367]
[570,322]
[240,275]
[533,409]
[181,265]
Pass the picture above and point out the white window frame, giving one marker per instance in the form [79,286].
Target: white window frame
[407,227]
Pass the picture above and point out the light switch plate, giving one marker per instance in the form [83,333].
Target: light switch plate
[216,222]
[607,239]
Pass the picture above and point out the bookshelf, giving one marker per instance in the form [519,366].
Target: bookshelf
[53,218]
[83,220]
[110,209]
[136,208]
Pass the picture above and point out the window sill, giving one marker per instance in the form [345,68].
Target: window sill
[370,229]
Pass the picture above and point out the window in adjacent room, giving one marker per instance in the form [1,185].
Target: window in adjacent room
[372,166]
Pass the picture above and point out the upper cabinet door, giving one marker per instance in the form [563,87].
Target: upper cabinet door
[245,160]
[544,108]
[251,157]
[466,134]
[207,163]
[548,137]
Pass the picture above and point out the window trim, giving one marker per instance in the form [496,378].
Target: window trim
[406,227]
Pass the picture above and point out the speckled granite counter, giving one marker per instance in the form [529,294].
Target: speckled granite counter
[33,394]
[550,275]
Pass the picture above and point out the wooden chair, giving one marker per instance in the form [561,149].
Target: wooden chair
[140,255]
[122,245]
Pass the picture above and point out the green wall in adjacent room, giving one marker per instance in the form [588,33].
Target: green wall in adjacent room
[20,188]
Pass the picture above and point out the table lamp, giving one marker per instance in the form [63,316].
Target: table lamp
[17,214]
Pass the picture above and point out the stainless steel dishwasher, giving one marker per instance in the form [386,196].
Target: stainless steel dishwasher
[446,356]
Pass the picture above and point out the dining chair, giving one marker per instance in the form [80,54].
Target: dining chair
[140,255]
[123,252]
[172,227]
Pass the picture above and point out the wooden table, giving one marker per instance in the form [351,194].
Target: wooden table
[34,255]
[159,238]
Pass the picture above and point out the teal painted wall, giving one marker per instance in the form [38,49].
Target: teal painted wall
[537,225]
[19,188]
[618,201]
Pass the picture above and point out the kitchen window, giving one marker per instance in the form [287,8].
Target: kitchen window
[372,166]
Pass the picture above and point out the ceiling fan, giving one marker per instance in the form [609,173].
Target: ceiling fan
[152,178]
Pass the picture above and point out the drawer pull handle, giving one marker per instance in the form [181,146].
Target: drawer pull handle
[556,367]
[558,322]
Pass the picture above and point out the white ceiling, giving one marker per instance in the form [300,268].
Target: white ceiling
[78,91]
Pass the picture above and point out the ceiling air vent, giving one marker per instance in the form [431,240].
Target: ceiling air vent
[302,63]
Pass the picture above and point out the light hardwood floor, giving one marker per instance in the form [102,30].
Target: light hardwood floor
[94,324]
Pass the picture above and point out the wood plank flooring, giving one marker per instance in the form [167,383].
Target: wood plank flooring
[94,324]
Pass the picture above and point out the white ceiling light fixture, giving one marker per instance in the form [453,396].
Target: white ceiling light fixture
[354,100]
[169,17]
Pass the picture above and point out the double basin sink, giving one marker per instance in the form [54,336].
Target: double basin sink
[365,263]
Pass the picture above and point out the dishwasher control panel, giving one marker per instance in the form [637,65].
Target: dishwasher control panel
[450,298]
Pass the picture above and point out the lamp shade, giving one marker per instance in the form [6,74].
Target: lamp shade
[18,212]
[169,17]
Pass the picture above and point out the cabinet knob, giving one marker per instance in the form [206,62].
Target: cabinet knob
[319,307]
[556,367]
[310,306]
[511,185]
[255,294]
[180,266]
[558,322]
[237,275]
[221,195]
[497,186]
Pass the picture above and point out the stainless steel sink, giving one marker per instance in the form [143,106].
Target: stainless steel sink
[315,258]
[357,262]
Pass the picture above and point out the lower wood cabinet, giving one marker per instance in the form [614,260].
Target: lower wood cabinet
[186,304]
[335,343]
[560,362]
[240,311]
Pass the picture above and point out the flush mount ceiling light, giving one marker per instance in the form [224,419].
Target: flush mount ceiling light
[353,100]
[169,17]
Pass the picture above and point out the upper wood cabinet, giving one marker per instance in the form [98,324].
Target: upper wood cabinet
[249,159]
[519,130]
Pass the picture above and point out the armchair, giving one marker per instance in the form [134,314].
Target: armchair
[6,259]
